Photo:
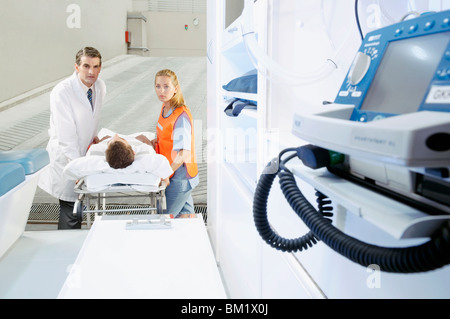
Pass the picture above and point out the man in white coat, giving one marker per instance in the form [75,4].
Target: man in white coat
[75,105]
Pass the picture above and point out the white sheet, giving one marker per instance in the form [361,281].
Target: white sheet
[147,169]
[144,182]
[138,147]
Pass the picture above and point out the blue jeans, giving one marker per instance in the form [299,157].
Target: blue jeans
[179,197]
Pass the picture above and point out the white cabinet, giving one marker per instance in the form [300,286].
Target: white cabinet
[239,245]
[239,133]
[232,153]
[300,38]
[283,277]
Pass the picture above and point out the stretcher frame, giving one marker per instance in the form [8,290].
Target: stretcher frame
[156,196]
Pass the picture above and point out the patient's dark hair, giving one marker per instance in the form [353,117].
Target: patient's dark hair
[119,154]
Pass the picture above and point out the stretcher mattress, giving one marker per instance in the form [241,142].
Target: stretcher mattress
[99,175]
[137,181]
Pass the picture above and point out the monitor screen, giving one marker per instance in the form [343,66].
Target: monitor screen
[404,74]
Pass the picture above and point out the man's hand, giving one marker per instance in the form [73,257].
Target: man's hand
[104,138]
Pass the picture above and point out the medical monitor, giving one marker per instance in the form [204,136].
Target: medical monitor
[401,69]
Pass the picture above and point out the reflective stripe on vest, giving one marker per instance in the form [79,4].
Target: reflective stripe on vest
[164,133]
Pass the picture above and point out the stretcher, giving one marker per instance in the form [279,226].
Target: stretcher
[153,194]
[96,181]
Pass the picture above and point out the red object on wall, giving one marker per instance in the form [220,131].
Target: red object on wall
[127,36]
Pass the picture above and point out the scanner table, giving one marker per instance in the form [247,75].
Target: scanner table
[121,261]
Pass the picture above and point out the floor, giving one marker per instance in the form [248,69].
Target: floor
[130,106]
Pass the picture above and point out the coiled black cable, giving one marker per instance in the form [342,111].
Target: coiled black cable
[430,255]
[262,222]
[324,205]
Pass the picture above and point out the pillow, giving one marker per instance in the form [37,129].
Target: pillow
[246,83]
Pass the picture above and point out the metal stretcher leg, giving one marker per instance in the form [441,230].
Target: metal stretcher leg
[78,207]
[161,205]
[157,200]
[88,215]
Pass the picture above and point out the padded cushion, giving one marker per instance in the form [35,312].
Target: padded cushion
[247,84]
[135,181]
[31,160]
[11,175]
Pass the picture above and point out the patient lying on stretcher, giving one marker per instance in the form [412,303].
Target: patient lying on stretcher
[119,152]
[120,155]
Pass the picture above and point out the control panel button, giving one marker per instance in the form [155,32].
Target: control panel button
[398,32]
[378,117]
[443,74]
[429,25]
[413,28]
[447,55]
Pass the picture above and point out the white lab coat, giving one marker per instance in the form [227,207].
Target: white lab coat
[73,126]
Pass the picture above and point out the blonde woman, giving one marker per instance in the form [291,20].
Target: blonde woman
[175,140]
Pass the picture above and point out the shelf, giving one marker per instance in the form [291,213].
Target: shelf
[394,218]
[240,95]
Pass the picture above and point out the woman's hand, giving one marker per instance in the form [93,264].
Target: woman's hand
[165,181]
[154,142]
[144,139]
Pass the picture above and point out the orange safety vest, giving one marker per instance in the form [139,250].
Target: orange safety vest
[164,134]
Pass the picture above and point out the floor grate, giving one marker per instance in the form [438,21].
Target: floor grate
[49,213]
[23,131]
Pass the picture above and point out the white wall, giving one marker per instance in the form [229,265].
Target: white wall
[39,38]
[167,36]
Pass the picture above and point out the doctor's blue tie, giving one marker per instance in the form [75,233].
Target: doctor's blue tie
[89,95]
